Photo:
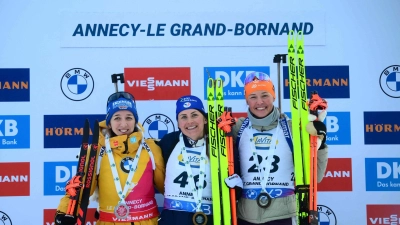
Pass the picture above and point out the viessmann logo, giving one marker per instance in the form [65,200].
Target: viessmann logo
[338,175]
[15,179]
[383,214]
[157,83]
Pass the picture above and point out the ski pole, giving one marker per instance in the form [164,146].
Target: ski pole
[114,79]
[316,103]
[225,122]
[277,59]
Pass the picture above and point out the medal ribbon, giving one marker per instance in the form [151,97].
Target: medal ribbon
[132,170]
[197,192]
[264,177]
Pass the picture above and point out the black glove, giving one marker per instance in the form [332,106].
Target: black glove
[62,219]
[321,132]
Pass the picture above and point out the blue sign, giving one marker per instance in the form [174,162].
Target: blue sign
[14,85]
[14,131]
[382,174]
[56,176]
[65,131]
[381,128]
[328,81]
[233,78]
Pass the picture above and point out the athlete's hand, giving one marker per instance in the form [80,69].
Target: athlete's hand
[234,181]
[62,219]
[316,127]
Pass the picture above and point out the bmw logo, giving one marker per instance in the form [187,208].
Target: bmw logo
[77,84]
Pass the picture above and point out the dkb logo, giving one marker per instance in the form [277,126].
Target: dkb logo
[382,174]
[14,132]
[57,174]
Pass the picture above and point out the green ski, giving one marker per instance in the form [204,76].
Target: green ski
[299,111]
[218,156]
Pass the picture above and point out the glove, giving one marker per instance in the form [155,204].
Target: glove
[234,181]
[316,127]
[62,219]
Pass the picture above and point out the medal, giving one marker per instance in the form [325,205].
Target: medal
[264,200]
[199,218]
[121,211]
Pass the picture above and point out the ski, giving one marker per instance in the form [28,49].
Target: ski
[218,154]
[89,172]
[301,140]
[223,156]
[214,152]
[79,199]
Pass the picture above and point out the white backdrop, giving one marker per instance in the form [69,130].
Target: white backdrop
[36,37]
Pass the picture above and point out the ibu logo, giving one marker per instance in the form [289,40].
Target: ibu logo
[57,174]
[233,79]
[14,132]
[382,174]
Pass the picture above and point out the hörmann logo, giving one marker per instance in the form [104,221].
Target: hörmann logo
[328,81]
[14,85]
[233,79]
[390,81]
[381,127]
[65,131]
[157,83]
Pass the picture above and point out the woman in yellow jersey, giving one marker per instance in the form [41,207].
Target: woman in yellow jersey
[122,147]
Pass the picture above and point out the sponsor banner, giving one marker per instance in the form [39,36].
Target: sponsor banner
[14,85]
[326,216]
[14,131]
[383,214]
[48,216]
[77,84]
[56,175]
[233,79]
[65,131]
[177,29]
[390,81]
[15,179]
[338,175]
[382,174]
[338,128]
[157,83]
[328,81]
[381,128]
[5,219]
[158,125]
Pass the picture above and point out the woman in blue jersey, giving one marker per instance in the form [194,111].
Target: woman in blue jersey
[187,198]
[268,195]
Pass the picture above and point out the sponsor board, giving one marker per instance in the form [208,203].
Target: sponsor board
[167,83]
[15,179]
[14,131]
[14,85]
[65,131]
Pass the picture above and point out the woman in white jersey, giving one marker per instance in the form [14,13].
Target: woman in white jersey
[268,196]
[187,200]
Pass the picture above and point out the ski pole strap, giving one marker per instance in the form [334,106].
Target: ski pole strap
[239,135]
[286,132]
